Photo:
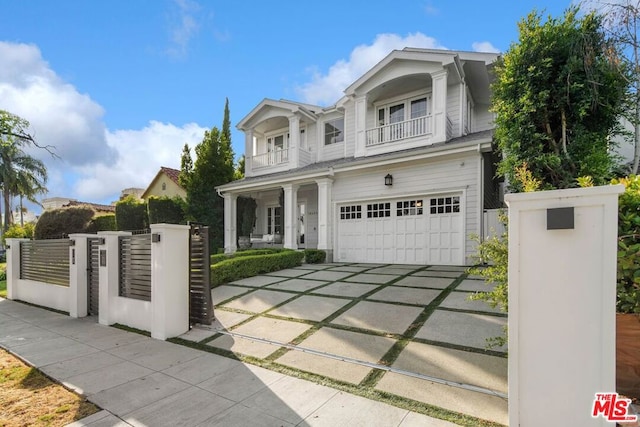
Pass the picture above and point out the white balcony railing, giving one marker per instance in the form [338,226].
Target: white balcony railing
[402,130]
[272,158]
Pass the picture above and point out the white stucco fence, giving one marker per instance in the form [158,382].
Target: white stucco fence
[165,316]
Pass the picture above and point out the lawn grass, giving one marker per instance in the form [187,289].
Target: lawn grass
[27,397]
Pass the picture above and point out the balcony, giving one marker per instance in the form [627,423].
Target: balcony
[273,158]
[420,126]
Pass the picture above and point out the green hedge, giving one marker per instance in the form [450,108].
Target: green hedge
[221,257]
[247,266]
[102,223]
[314,256]
[166,210]
[131,215]
[58,223]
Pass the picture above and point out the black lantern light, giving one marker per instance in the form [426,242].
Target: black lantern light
[388,180]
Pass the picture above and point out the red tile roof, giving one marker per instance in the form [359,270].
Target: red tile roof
[95,206]
[171,173]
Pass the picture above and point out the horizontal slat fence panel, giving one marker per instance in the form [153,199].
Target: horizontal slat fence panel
[135,266]
[45,261]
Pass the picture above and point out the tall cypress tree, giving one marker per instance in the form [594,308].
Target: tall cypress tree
[213,166]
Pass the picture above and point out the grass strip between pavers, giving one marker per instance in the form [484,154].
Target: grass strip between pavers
[377,395]
[366,388]
[372,379]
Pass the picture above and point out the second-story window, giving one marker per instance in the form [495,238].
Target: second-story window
[277,142]
[334,131]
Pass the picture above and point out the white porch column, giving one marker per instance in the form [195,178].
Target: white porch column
[562,302]
[249,150]
[294,140]
[170,281]
[290,216]
[325,217]
[230,226]
[439,105]
[361,126]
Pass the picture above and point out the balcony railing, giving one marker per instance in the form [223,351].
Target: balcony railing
[272,158]
[402,130]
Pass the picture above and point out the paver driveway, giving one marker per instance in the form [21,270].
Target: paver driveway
[410,331]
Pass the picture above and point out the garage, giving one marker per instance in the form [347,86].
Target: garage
[415,230]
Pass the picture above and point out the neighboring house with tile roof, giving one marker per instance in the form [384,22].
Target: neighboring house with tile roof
[65,202]
[399,170]
[165,183]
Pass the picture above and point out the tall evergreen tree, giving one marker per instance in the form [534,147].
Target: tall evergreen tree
[213,166]
[186,168]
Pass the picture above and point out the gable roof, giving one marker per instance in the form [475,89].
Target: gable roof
[171,173]
[306,110]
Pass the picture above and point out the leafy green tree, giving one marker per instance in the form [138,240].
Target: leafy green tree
[20,173]
[186,167]
[131,214]
[558,95]
[239,172]
[213,166]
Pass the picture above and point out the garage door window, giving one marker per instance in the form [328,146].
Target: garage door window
[409,207]
[444,205]
[378,210]
[351,212]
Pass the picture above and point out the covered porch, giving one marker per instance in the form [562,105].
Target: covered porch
[292,215]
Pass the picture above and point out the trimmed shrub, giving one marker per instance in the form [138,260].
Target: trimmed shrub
[131,214]
[19,232]
[314,256]
[247,266]
[628,278]
[58,223]
[102,223]
[166,210]
[248,252]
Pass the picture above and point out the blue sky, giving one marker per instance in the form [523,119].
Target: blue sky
[119,86]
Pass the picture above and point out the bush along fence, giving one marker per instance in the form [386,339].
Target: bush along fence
[143,284]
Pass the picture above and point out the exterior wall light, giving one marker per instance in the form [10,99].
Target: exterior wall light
[388,180]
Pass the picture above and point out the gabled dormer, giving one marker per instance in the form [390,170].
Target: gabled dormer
[419,97]
[278,136]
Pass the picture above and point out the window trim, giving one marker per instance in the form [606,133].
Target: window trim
[325,134]
[406,100]
[271,224]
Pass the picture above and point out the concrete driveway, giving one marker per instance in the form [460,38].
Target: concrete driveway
[407,331]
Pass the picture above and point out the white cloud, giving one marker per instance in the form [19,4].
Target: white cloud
[140,153]
[60,115]
[184,26]
[95,163]
[325,89]
[484,47]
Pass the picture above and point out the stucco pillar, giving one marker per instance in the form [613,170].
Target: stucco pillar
[290,216]
[249,151]
[361,125]
[294,140]
[325,217]
[13,267]
[78,280]
[439,105]
[109,275]
[169,281]
[562,301]
[230,219]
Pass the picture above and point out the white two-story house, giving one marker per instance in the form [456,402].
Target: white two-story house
[399,170]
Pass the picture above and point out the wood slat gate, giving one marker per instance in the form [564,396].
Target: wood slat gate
[93,254]
[200,304]
[135,266]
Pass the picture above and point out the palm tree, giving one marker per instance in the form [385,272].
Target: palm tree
[20,174]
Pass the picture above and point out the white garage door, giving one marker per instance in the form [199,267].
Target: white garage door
[424,230]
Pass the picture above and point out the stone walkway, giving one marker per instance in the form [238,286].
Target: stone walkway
[409,331]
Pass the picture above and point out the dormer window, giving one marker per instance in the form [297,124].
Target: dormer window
[334,131]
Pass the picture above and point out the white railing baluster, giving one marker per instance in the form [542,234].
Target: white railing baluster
[419,126]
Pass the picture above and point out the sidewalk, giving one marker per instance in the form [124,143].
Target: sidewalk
[140,381]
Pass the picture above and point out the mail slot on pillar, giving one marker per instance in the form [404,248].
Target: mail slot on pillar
[560,219]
